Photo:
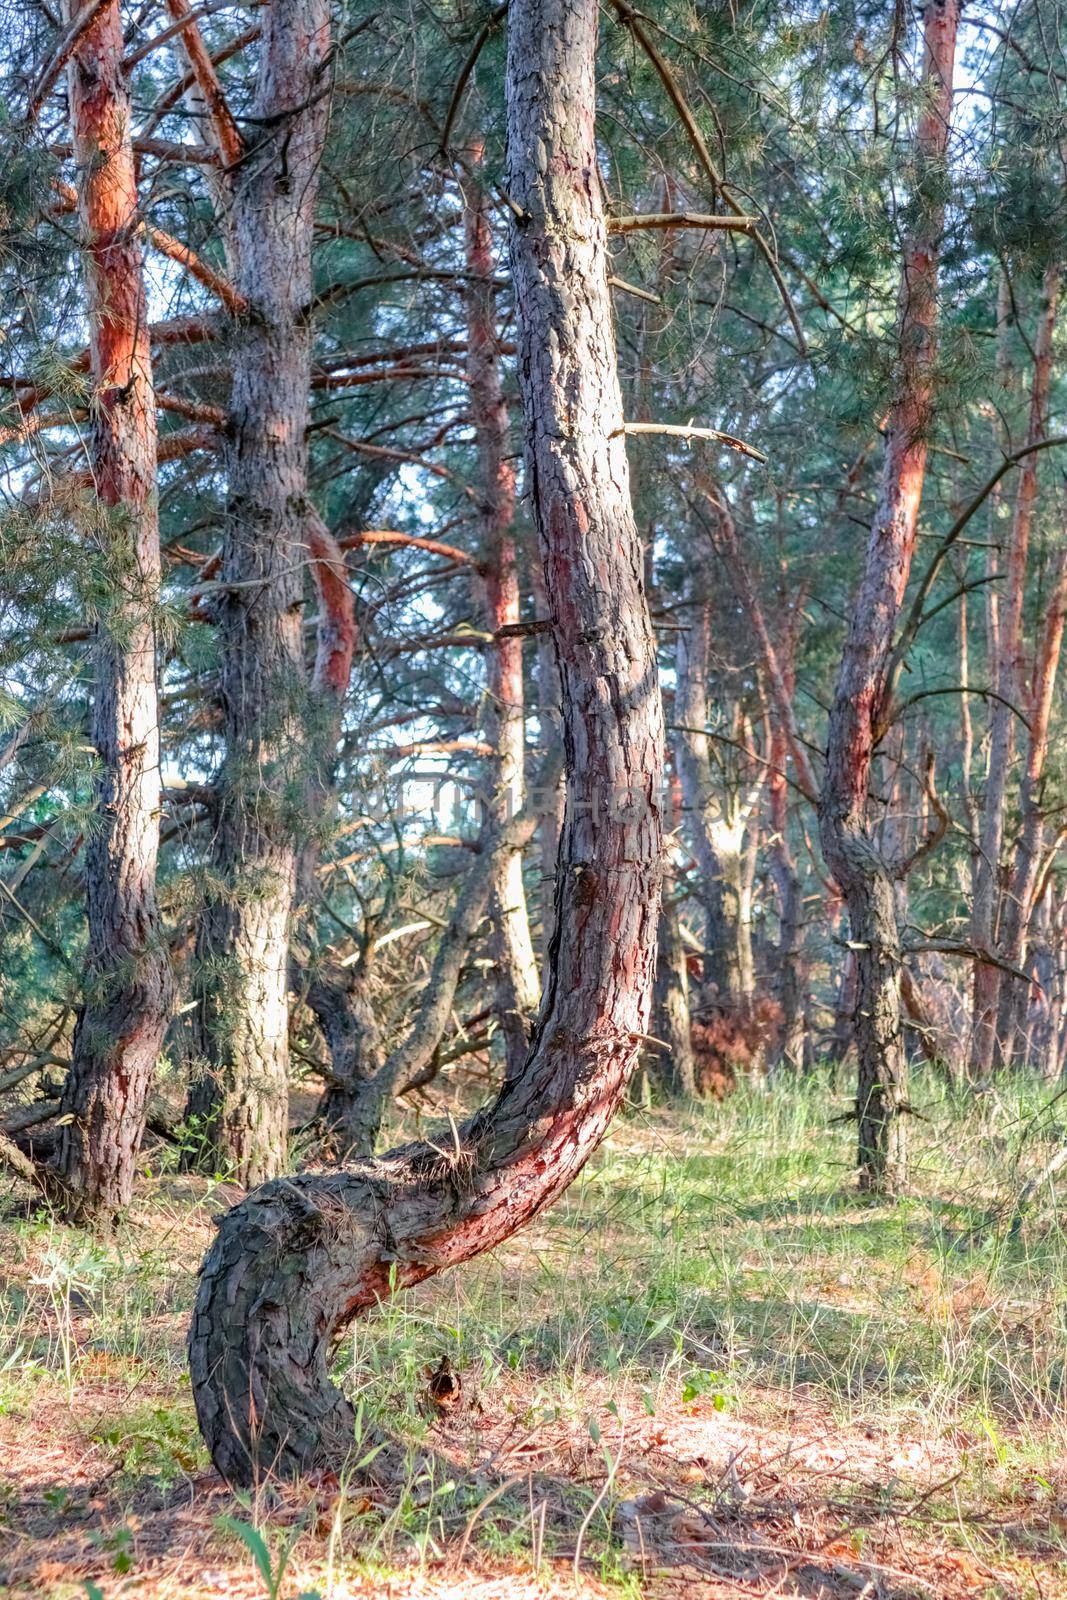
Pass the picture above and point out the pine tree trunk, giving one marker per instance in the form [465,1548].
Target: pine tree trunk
[992,916]
[350,1111]
[673,1065]
[128,993]
[850,850]
[788,977]
[338,996]
[1019,904]
[299,1259]
[240,1100]
[516,978]
[1035,695]
[549,804]
[721,977]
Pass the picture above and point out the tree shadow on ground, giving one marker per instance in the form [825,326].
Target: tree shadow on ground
[667,1502]
[663,1533]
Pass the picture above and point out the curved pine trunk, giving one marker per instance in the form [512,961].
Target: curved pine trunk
[128,990]
[240,1099]
[299,1259]
[851,853]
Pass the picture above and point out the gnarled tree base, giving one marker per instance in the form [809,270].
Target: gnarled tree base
[300,1258]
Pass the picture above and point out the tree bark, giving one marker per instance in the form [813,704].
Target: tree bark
[516,978]
[298,1260]
[350,1110]
[673,1064]
[551,805]
[338,996]
[988,909]
[850,850]
[786,878]
[240,1100]
[1019,901]
[701,806]
[128,993]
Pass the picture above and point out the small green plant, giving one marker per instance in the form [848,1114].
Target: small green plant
[65,1281]
[118,1544]
[704,1383]
[271,1570]
[157,1440]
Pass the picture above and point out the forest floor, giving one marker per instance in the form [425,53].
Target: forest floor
[712,1370]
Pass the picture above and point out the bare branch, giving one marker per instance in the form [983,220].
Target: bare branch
[644,220]
[631,20]
[939,829]
[972,952]
[689,432]
[955,688]
[227,136]
[435,547]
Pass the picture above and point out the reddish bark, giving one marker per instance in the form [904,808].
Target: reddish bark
[1020,898]
[300,1258]
[1008,643]
[851,852]
[435,547]
[335,634]
[128,991]
[224,128]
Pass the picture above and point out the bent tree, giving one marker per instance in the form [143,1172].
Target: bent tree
[300,1258]
[857,718]
[128,988]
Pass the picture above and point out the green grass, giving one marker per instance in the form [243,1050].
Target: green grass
[711,1263]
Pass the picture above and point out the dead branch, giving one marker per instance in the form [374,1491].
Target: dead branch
[687,431]
[631,20]
[644,220]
